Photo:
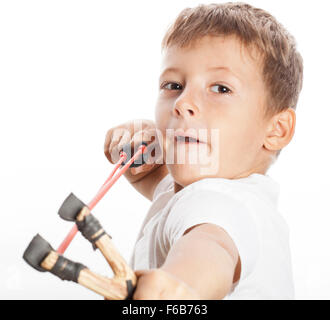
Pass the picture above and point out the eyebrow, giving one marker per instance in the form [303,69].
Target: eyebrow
[169,70]
[173,69]
[219,68]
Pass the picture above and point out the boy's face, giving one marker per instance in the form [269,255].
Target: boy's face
[227,103]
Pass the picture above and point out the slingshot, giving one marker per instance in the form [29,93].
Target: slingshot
[42,257]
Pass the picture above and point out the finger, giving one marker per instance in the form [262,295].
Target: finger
[116,136]
[153,158]
[115,154]
[145,290]
[149,138]
[150,134]
[135,142]
[107,140]
[150,284]
[106,146]
[154,153]
[119,139]
[147,154]
[142,136]
[149,163]
[139,273]
[143,168]
[126,138]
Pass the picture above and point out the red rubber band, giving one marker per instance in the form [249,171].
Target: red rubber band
[102,191]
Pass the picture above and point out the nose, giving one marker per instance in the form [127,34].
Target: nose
[185,108]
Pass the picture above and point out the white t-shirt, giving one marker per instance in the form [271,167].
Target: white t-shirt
[245,208]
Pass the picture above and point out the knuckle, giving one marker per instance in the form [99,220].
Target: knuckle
[114,154]
[155,275]
[137,296]
[109,132]
[107,139]
[116,134]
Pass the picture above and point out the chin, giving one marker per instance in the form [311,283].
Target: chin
[185,174]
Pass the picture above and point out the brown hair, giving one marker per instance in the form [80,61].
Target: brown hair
[282,63]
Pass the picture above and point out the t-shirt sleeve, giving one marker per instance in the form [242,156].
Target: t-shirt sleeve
[164,185]
[203,206]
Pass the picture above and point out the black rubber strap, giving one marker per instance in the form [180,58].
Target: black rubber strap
[66,269]
[70,208]
[130,290]
[139,161]
[36,252]
[89,227]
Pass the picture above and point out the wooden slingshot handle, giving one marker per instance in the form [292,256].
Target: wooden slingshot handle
[41,256]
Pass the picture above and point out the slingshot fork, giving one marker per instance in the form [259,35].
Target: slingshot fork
[41,256]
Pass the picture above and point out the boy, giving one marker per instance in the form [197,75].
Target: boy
[232,70]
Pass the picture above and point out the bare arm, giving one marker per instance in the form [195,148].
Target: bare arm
[203,263]
[205,259]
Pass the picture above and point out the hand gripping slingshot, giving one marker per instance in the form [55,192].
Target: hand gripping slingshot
[42,257]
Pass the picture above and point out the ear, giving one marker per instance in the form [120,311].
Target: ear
[280,130]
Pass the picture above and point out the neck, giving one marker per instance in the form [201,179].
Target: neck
[260,168]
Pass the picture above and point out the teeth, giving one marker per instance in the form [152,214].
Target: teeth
[185,139]
[189,139]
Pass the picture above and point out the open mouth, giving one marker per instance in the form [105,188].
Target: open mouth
[182,139]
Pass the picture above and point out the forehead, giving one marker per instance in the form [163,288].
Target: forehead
[214,51]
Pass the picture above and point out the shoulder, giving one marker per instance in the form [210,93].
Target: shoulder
[204,206]
[257,193]
[237,206]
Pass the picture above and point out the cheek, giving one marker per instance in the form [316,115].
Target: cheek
[239,136]
[161,116]
[162,120]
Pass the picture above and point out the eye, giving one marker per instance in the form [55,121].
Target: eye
[170,86]
[221,89]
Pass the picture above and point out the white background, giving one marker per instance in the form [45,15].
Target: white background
[69,71]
